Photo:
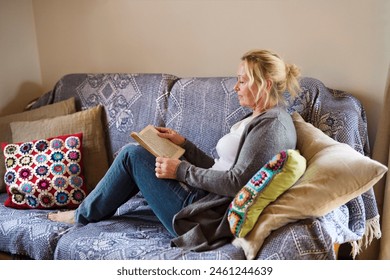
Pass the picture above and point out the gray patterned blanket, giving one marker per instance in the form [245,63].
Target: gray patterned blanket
[191,106]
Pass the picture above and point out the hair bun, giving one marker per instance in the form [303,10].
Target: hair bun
[292,71]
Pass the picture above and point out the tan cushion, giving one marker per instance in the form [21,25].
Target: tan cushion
[89,122]
[335,174]
[52,110]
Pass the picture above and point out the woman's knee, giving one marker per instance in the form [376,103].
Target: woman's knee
[133,152]
[130,149]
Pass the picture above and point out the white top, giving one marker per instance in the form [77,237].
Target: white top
[227,146]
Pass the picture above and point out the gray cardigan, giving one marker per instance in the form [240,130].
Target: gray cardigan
[203,224]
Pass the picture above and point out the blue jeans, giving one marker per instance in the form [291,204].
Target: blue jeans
[133,170]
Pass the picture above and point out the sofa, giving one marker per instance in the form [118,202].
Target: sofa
[107,107]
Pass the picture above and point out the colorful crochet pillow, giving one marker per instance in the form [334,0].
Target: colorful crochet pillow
[89,122]
[273,179]
[49,111]
[45,174]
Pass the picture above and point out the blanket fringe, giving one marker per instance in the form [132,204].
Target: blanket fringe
[373,230]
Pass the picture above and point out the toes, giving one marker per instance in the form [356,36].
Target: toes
[62,216]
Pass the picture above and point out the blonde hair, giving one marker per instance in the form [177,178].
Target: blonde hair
[262,66]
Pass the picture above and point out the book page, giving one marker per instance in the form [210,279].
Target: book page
[156,145]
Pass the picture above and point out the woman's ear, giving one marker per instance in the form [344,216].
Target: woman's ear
[269,84]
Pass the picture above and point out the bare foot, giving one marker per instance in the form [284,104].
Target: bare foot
[62,216]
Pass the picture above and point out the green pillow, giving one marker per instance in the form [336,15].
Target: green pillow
[273,179]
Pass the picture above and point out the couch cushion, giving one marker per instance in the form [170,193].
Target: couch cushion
[62,108]
[28,232]
[133,233]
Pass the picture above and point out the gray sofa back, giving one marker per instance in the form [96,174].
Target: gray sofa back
[201,108]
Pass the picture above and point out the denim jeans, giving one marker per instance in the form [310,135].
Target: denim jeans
[133,170]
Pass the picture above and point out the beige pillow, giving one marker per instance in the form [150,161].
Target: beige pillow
[53,110]
[335,174]
[89,122]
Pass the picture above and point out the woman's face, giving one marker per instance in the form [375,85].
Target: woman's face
[245,95]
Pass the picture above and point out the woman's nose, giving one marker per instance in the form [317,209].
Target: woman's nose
[236,87]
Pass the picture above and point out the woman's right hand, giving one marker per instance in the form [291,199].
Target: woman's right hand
[172,135]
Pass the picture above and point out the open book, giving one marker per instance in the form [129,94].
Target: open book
[159,147]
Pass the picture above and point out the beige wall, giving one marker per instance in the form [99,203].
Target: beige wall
[20,75]
[344,43]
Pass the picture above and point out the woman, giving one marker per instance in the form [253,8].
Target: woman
[190,196]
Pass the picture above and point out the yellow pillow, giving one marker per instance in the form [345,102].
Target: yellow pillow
[57,109]
[89,122]
[274,178]
[335,174]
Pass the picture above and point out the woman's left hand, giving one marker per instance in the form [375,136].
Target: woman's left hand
[171,135]
[166,168]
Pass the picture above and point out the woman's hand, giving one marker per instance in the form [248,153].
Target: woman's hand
[170,134]
[166,167]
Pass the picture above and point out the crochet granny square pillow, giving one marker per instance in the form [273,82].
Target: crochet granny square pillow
[45,174]
[49,111]
[273,179]
[89,122]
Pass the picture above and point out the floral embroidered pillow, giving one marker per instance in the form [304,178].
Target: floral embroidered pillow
[273,179]
[45,174]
